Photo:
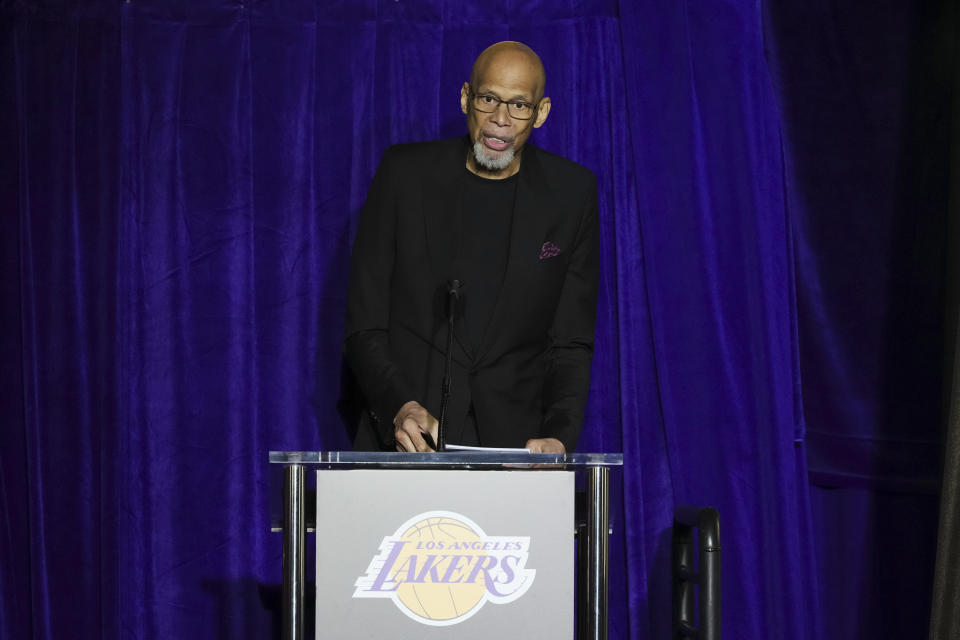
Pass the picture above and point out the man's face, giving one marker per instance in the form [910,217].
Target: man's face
[498,138]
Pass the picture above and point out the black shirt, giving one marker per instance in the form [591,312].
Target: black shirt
[484,246]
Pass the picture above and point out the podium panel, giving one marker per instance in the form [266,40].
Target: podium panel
[507,544]
[444,553]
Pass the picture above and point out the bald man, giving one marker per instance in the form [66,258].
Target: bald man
[518,227]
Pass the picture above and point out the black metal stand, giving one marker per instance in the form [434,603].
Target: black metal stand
[453,295]
[707,522]
[294,546]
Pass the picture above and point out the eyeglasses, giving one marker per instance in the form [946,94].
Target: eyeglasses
[517,109]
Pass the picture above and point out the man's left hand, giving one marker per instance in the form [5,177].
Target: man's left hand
[545,445]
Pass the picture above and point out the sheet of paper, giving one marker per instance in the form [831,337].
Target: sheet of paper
[463,447]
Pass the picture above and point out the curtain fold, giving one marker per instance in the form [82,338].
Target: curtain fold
[715,247]
[60,360]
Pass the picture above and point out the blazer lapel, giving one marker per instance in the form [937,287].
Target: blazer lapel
[530,219]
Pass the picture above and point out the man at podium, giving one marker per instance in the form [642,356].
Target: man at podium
[505,232]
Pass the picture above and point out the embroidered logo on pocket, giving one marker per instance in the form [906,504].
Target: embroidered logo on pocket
[549,250]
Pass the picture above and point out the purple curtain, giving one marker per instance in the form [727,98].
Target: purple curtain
[866,112]
[180,183]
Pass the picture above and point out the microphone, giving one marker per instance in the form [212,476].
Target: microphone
[453,298]
[454,288]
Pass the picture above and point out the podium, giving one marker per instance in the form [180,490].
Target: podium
[510,473]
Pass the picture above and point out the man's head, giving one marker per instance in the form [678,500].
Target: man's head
[503,102]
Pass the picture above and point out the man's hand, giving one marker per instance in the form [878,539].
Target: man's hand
[410,425]
[545,445]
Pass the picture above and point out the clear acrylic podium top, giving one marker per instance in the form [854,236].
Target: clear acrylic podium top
[446,460]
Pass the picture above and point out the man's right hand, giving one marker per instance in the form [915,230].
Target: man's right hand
[410,425]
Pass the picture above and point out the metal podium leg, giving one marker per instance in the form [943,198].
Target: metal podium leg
[294,541]
[597,546]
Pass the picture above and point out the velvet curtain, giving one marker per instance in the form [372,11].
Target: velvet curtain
[180,184]
[866,104]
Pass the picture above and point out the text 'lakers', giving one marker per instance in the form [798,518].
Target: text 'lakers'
[439,568]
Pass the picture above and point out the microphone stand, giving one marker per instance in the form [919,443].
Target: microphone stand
[453,296]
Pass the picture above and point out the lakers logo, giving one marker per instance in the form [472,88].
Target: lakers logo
[439,568]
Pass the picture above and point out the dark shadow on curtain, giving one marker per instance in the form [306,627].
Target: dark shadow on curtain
[904,467]
[232,597]
[863,103]
[14,498]
[349,402]
[945,610]
[913,322]
[452,127]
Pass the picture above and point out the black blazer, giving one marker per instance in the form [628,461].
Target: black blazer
[530,376]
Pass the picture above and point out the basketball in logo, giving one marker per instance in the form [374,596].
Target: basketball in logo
[439,568]
[439,600]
